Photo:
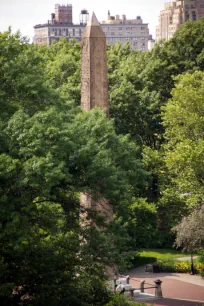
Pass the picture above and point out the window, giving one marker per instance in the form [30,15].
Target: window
[193,15]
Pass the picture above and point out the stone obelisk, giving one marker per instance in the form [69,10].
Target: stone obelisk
[94,77]
[94,91]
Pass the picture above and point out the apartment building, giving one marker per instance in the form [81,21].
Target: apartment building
[175,14]
[120,29]
[116,28]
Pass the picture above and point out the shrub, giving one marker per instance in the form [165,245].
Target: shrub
[179,266]
[142,260]
[201,257]
[202,273]
[201,261]
[121,300]
[166,265]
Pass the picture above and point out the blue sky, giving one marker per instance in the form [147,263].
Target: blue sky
[24,14]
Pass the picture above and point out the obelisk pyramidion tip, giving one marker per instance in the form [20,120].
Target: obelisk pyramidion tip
[93,21]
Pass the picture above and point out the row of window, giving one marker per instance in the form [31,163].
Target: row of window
[142,47]
[136,46]
[65,32]
[125,38]
[78,32]
[193,6]
[128,35]
[124,34]
[123,28]
[66,11]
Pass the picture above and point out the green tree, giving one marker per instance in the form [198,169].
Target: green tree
[190,231]
[183,119]
[50,152]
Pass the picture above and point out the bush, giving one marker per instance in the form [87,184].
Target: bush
[142,260]
[201,261]
[201,257]
[179,266]
[121,300]
[166,265]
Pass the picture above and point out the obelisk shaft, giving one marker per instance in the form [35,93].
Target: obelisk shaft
[94,93]
[94,79]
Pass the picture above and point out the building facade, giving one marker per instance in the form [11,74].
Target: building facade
[151,43]
[116,29]
[120,29]
[175,14]
[63,14]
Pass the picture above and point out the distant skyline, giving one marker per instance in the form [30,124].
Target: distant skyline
[24,14]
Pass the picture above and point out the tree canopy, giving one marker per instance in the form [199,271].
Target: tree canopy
[183,119]
[50,152]
[190,231]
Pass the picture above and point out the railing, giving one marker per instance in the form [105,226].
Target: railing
[157,287]
[142,287]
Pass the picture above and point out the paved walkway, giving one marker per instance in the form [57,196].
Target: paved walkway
[176,287]
[186,258]
[174,302]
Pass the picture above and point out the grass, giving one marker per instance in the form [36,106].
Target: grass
[152,255]
[163,254]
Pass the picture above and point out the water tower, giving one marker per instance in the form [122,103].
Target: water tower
[84,17]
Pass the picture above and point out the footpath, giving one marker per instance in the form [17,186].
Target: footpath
[178,289]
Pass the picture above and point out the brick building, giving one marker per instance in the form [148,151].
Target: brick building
[63,14]
[175,14]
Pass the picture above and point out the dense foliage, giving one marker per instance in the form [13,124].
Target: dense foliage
[179,266]
[146,160]
[50,152]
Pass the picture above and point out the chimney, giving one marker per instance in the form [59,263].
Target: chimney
[109,17]
[53,18]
